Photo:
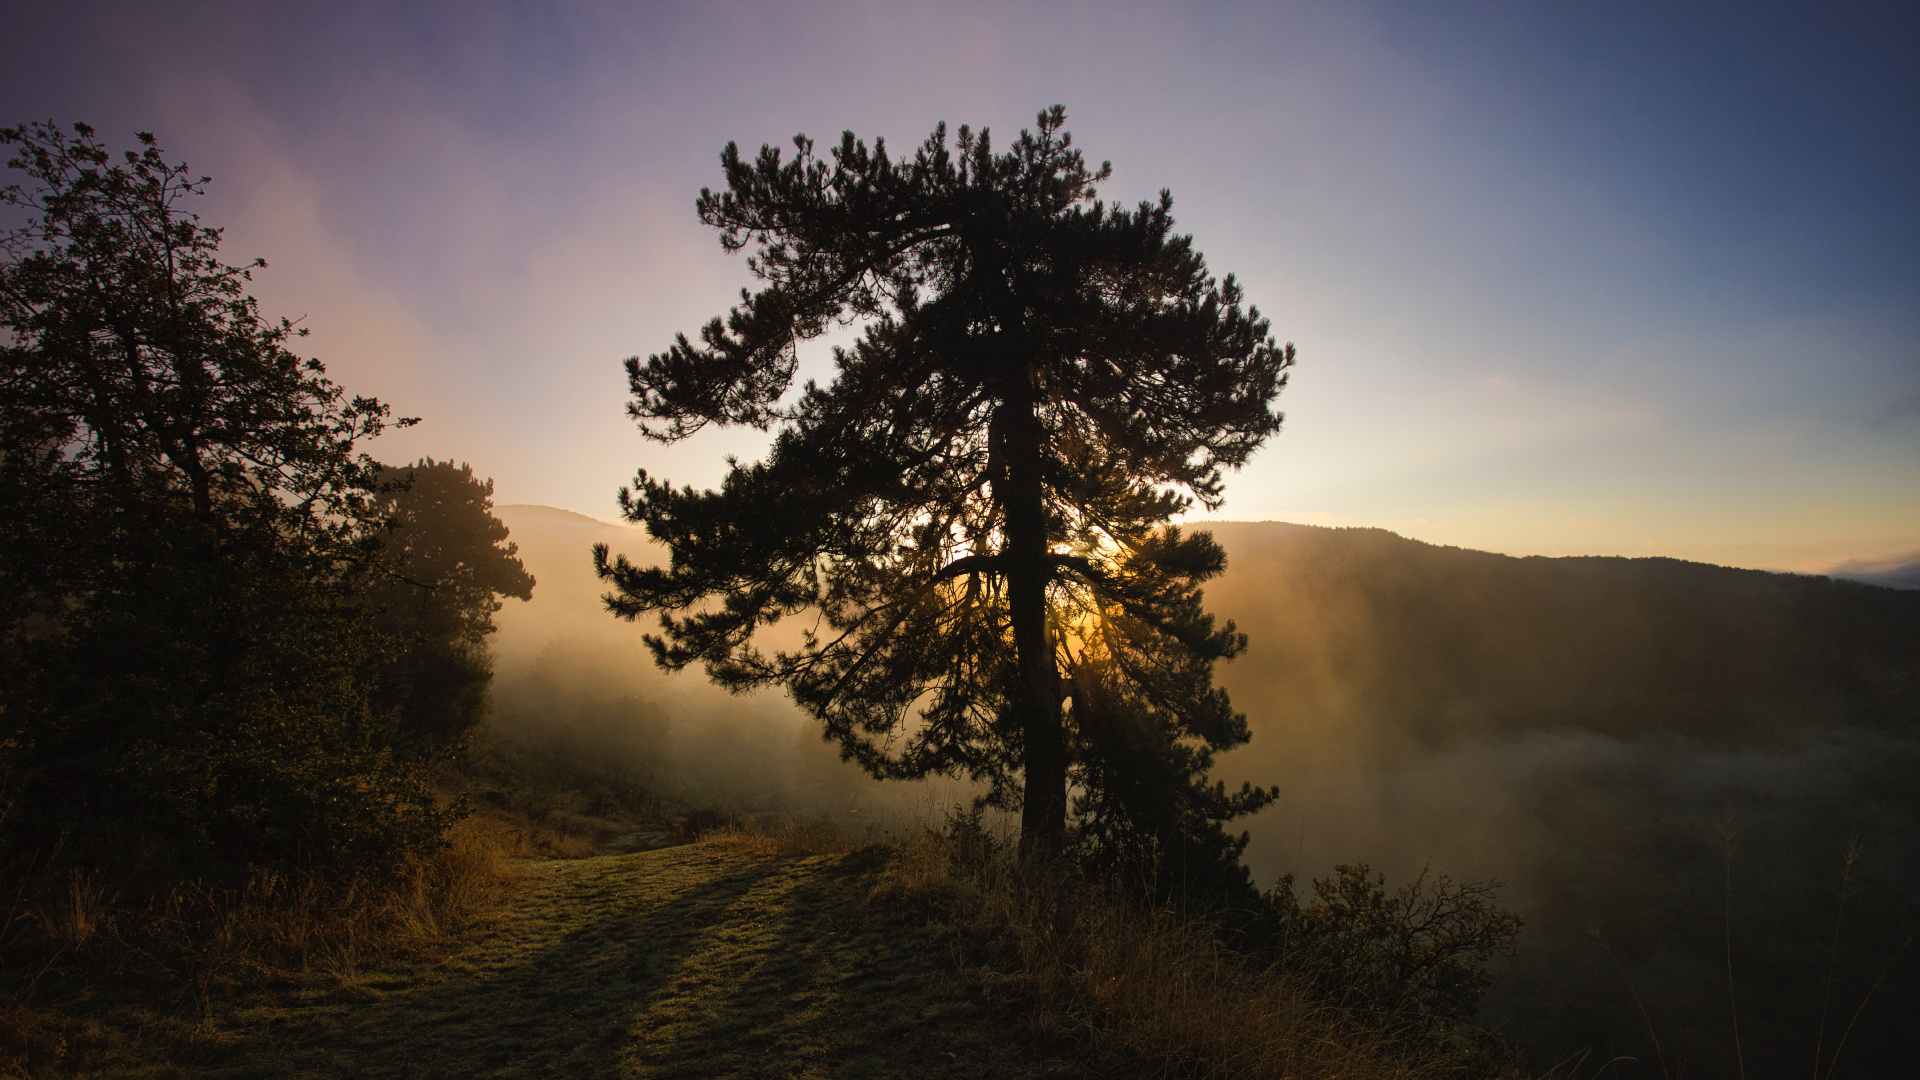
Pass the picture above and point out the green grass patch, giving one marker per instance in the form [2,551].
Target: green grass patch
[708,960]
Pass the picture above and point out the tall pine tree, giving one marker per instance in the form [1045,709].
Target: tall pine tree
[972,519]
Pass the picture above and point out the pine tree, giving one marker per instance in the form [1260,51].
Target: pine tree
[979,501]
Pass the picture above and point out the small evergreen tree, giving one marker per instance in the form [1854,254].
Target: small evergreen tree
[447,562]
[189,526]
[979,501]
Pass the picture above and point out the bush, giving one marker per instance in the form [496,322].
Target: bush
[1414,959]
[1359,983]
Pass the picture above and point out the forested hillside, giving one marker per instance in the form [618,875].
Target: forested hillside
[1656,755]
[1441,644]
[1584,729]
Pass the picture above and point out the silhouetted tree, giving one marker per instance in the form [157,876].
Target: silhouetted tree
[447,562]
[979,500]
[188,528]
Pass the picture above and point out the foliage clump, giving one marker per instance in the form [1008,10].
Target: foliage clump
[1415,956]
[445,566]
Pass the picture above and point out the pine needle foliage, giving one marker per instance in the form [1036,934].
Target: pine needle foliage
[973,517]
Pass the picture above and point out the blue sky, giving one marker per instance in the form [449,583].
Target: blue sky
[1565,278]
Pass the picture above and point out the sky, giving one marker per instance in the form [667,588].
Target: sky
[1569,278]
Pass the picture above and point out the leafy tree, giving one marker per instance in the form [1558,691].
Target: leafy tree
[183,656]
[979,501]
[448,562]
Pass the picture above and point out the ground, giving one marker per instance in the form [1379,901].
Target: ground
[697,961]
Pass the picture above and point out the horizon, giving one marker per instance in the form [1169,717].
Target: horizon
[1897,575]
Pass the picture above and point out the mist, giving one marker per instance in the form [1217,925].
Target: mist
[1591,732]
[573,679]
[1657,757]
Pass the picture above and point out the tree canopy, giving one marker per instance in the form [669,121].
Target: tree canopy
[972,518]
[190,525]
[446,564]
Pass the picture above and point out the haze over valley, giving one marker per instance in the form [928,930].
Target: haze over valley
[1582,729]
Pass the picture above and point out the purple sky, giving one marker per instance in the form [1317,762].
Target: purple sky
[1570,278]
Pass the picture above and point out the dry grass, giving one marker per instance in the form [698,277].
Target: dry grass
[88,974]
[773,836]
[1141,992]
[767,942]
[77,948]
[554,836]
[292,924]
[32,1041]
[698,961]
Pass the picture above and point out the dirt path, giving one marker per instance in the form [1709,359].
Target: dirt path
[693,961]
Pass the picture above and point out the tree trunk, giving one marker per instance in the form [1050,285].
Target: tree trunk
[1036,693]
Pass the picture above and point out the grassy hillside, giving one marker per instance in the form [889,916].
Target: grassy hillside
[696,961]
[693,961]
[768,951]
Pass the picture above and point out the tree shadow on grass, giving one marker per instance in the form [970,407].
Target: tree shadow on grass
[686,962]
[808,980]
[551,989]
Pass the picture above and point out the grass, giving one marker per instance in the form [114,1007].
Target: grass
[765,949]
[762,952]
[94,980]
[735,957]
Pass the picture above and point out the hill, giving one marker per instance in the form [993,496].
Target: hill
[1439,644]
[1601,733]
[1585,729]
[1361,627]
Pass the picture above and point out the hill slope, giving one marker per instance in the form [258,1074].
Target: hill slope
[1592,731]
[1439,643]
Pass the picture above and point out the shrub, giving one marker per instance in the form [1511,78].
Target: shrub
[1359,983]
[1414,958]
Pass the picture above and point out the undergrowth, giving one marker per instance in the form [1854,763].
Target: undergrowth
[69,941]
[76,945]
[1099,978]
[1142,990]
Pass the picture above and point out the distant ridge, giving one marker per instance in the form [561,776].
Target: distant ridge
[1362,627]
[1896,577]
[1905,576]
[553,513]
